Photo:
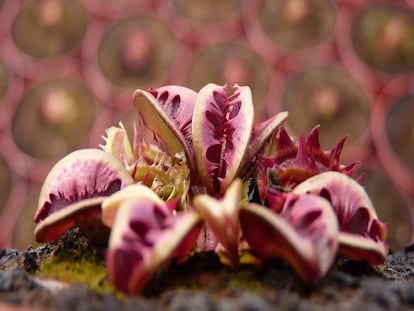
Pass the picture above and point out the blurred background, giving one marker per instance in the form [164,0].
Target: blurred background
[68,70]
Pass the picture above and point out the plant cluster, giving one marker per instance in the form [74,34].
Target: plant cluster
[200,175]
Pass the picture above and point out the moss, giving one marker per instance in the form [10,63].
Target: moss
[380,268]
[78,263]
[246,280]
[203,272]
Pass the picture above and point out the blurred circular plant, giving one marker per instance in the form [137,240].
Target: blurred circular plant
[24,223]
[108,9]
[391,205]
[296,24]
[203,22]
[5,183]
[383,36]
[330,97]
[136,51]
[53,118]
[392,127]
[230,63]
[4,79]
[206,11]
[47,28]
[399,125]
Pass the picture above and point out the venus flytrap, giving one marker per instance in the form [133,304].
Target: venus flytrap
[73,191]
[304,233]
[362,235]
[148,164]
[182,184]
[222,144]
[145,235]
[221,215]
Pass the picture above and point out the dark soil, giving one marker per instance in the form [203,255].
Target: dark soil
[203,283]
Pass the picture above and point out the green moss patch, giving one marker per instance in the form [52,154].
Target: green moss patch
[74,261]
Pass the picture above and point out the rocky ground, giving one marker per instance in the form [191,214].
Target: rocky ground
[202,283]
